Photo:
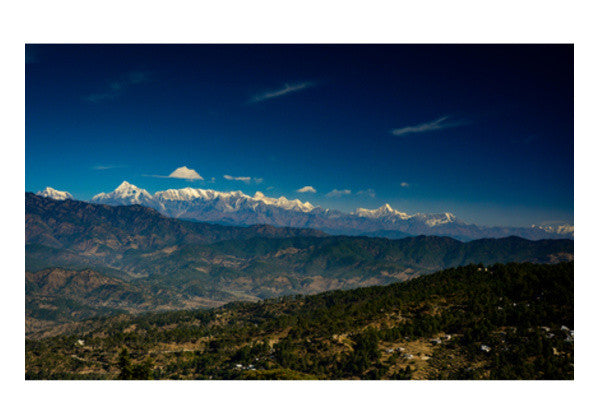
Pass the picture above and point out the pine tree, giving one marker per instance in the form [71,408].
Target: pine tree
[126,372]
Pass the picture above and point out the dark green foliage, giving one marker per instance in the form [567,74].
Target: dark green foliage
[142,371]
[125,369]
[129,371]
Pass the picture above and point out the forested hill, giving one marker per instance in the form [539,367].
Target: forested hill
[511,321]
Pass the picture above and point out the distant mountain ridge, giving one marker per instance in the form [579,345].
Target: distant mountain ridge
[142,260]
[237,208]
[140,242]
[92,228]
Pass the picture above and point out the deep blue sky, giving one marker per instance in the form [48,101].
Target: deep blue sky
[485,132]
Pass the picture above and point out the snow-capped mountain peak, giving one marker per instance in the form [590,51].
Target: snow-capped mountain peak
[238,208]
[128,189]
[284,203]
[437,218]
[185,194]
[556,228]
[126,193]
[55,194]
[389,215]
[229,201]
[125,186]
[385,211]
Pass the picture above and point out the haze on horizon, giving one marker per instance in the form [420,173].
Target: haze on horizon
[484,132]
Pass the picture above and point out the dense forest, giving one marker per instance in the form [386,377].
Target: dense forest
[511,321]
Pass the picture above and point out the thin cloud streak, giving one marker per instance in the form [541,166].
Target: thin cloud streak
[240,178]
[244,179]
[338,193]
[106,167]
[434,125]
[116,87]
[367,192]
[287,89]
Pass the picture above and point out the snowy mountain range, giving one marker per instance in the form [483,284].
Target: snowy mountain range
[55,194]
[237,208]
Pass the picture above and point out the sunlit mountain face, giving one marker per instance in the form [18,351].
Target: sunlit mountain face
[237,208]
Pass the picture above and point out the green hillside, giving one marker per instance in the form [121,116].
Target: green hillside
[511,321]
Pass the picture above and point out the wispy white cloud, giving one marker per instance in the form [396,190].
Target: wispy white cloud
[366,192]
[240,178]
[115,88]
[106,167]
[183,173]
[286,89]
[435,125]
[307,189]
[404,184]
[244,179]
[338,193]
